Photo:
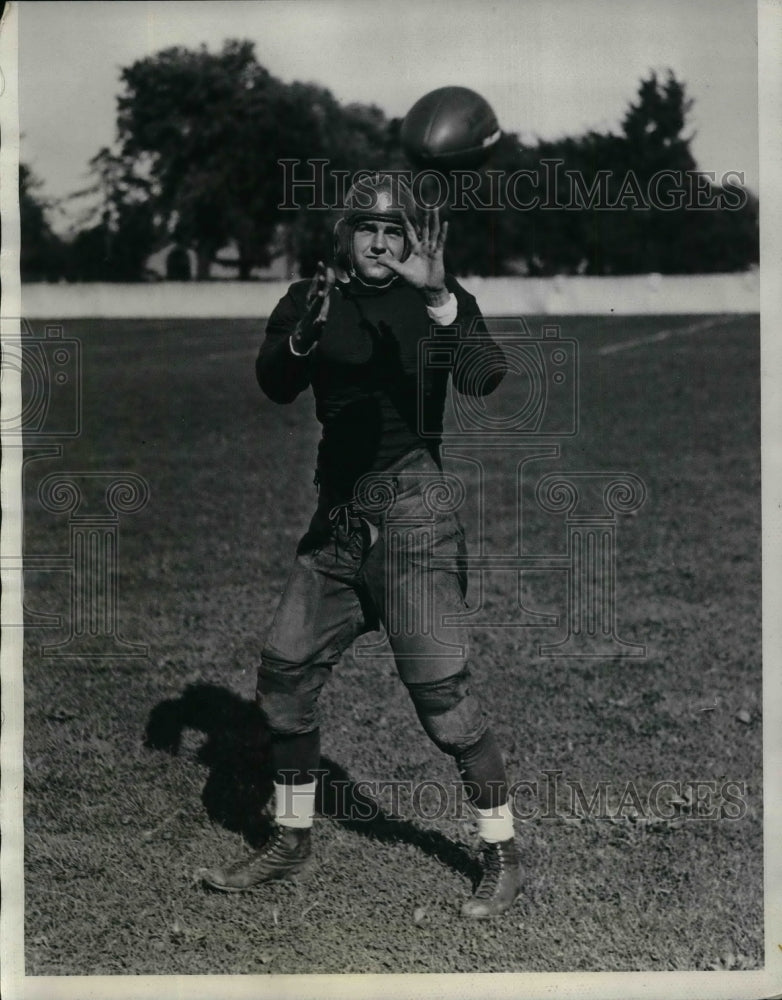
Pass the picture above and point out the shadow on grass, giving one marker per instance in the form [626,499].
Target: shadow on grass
[337,799]
[239,789]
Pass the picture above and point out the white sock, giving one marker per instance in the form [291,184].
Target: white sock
[495,824]
[294,805]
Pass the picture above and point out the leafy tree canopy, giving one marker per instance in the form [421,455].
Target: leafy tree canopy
[201,134]
[42,252]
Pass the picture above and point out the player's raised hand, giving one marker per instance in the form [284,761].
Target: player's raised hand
[424,268]
[318,300]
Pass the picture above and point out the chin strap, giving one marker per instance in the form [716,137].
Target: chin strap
[375,285]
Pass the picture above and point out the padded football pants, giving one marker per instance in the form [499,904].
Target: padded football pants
[394,557]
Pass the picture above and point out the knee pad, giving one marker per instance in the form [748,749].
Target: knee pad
[449,713]
[287,695]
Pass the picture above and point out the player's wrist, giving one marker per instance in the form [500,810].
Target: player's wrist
[445,314]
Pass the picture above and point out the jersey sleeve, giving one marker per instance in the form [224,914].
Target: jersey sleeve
[281,374]
[480,364]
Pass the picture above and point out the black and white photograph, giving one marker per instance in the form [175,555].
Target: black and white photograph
[391,503]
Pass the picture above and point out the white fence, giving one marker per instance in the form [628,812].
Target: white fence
[560,296]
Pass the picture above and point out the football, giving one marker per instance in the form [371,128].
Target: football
[450,128]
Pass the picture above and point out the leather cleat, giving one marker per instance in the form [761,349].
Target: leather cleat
[285,853]
[500,884]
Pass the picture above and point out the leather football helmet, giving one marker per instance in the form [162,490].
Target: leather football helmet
[386,197]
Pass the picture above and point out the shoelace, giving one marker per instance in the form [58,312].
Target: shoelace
[494,866]
[274,849]
[340,516]
[277,846]
[345,516]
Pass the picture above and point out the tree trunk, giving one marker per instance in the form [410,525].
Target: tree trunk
[204,258]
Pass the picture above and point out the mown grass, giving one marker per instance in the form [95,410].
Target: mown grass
[140,771]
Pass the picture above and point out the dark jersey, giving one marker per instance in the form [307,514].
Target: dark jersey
[377,393]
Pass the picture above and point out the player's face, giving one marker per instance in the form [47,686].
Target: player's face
[373,240]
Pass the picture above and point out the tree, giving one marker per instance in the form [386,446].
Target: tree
[485,241]
[197,163]
[209,129]
[42,252]
[118,229]
[653,126]
[631,232]
[687,239]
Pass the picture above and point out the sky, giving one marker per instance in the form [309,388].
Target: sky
[548,68]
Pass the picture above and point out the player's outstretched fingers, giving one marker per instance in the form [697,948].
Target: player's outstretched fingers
[315,284]
[324,294]
[393,264]
[325,278]
[319,295]
[410,232]
[426,235]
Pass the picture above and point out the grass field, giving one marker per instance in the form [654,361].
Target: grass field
[141,770]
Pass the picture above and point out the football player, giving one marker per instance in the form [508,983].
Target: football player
[352,335]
